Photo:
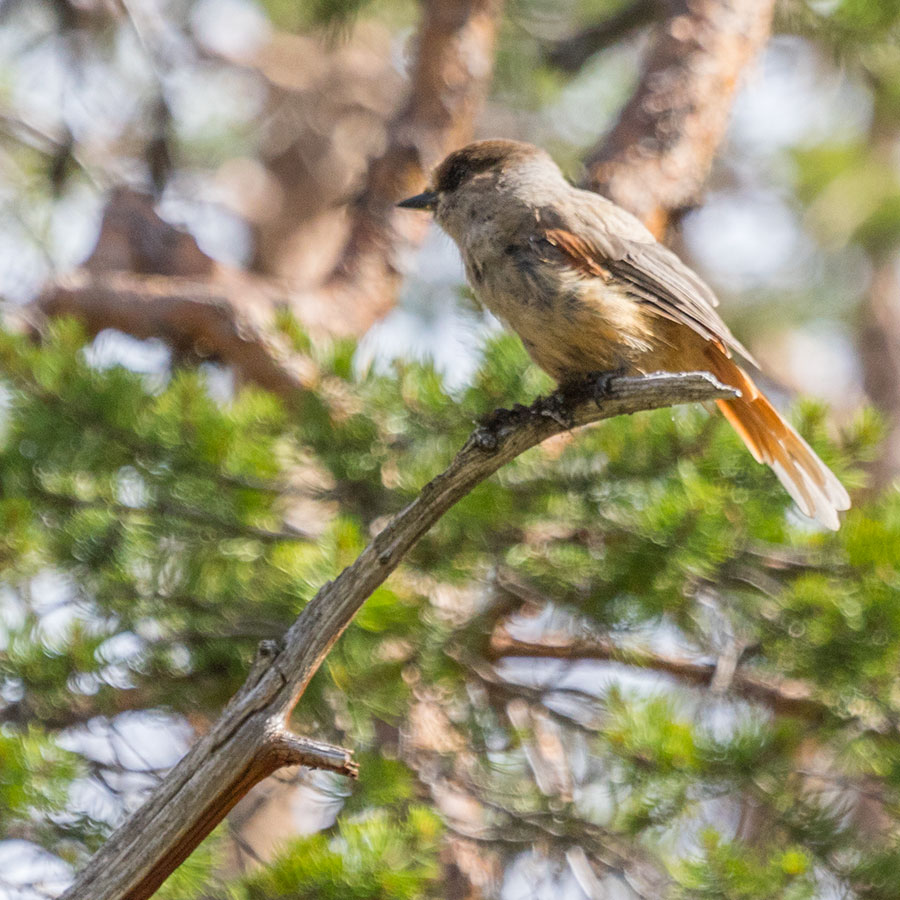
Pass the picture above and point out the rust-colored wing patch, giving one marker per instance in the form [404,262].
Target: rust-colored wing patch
[654,276]
[579,253]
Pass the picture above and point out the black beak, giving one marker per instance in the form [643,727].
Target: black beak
[420,201]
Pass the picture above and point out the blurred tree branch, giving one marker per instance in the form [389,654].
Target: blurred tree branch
[230,323]
[879,352]
[251,740]
[879,332]
[571,53]
[454,61]
[783,696]
[657,157]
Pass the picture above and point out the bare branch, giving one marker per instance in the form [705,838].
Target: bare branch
[571,53]
[203,318]
[202,308]
[785,696]
[453,67]
[656,159]
[248,741]
[294,750]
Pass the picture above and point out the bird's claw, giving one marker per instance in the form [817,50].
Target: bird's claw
[487,436]
[556,406]
[601,383]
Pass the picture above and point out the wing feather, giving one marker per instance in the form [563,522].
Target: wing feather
[603,240]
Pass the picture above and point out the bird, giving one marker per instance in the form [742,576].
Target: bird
[588,288]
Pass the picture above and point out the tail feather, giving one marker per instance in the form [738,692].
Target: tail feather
[771,440]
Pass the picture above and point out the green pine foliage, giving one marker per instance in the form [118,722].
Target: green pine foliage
[178,532]
[375,857]
[36,776]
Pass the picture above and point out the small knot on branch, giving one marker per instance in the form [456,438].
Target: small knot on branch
[266,652]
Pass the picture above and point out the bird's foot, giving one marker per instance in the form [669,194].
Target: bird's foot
[594,386]
[558,406]
[600,383]
[490,429]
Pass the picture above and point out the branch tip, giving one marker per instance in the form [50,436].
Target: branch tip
[295,750]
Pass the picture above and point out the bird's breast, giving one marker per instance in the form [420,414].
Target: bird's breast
[569,324]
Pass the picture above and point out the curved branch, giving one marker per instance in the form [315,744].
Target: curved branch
[454,62]
[656,159]
[570,53]
[248,741]
[203,318]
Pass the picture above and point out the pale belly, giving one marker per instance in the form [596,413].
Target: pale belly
[571,326]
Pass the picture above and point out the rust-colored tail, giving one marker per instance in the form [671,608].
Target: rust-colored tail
[771,440]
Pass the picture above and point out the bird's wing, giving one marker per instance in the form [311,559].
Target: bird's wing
[601,239]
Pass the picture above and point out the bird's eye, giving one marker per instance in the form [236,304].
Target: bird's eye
[452,177]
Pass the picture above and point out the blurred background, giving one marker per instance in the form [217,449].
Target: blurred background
[626,667]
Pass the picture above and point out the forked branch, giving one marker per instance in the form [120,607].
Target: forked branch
[251,740]
[146,278]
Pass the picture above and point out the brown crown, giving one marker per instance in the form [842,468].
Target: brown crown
[481,156]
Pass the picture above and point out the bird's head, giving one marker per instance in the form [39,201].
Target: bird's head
[463,184]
